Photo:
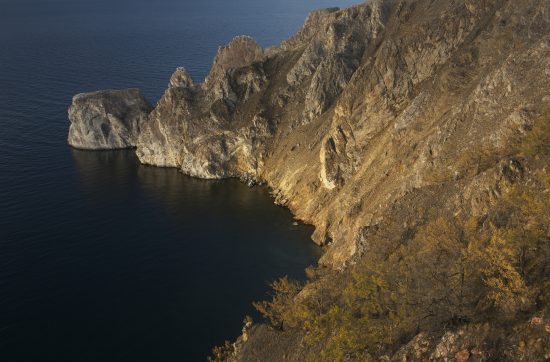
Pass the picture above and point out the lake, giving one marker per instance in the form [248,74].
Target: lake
[101,258]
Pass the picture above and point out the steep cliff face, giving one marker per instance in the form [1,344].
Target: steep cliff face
[107,119]
[374,123]
[368,115]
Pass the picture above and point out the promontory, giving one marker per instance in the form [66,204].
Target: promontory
[414,135]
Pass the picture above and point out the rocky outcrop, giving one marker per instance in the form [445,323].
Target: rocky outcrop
[364,110]
[197,128]
[241,52]
[108,119]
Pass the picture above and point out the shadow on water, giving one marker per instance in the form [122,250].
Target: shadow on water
[196,252]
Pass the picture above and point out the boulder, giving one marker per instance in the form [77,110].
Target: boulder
[109,119]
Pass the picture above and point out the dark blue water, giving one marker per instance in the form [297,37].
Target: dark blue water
[102,259]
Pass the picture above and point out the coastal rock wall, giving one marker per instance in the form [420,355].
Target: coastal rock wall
[368,115]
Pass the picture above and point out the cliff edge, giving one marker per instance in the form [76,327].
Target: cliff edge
[362,111]
[371,123]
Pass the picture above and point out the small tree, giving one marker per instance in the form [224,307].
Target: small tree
[508,290]
[224,353]
[517,257]
[435,275]
[283,310]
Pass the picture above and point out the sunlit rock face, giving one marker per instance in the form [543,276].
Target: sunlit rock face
[368,117]
[109,119]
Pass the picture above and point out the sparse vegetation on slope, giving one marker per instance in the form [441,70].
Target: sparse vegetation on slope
[453,272]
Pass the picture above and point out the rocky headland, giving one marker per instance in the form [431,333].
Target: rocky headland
[369,122]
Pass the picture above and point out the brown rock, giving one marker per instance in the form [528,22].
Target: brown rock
[462,355]
[536,321]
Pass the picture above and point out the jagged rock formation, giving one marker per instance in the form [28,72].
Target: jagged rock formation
[199,129]
[366,123]
[362,110]
[107,119]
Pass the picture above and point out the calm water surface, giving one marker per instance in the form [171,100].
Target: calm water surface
[102,259]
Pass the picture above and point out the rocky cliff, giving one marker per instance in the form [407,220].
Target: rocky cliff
[371,120]
[365,111]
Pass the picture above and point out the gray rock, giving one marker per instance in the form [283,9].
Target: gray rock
[195,128]
[181,78]
[241,51]
[109,119]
